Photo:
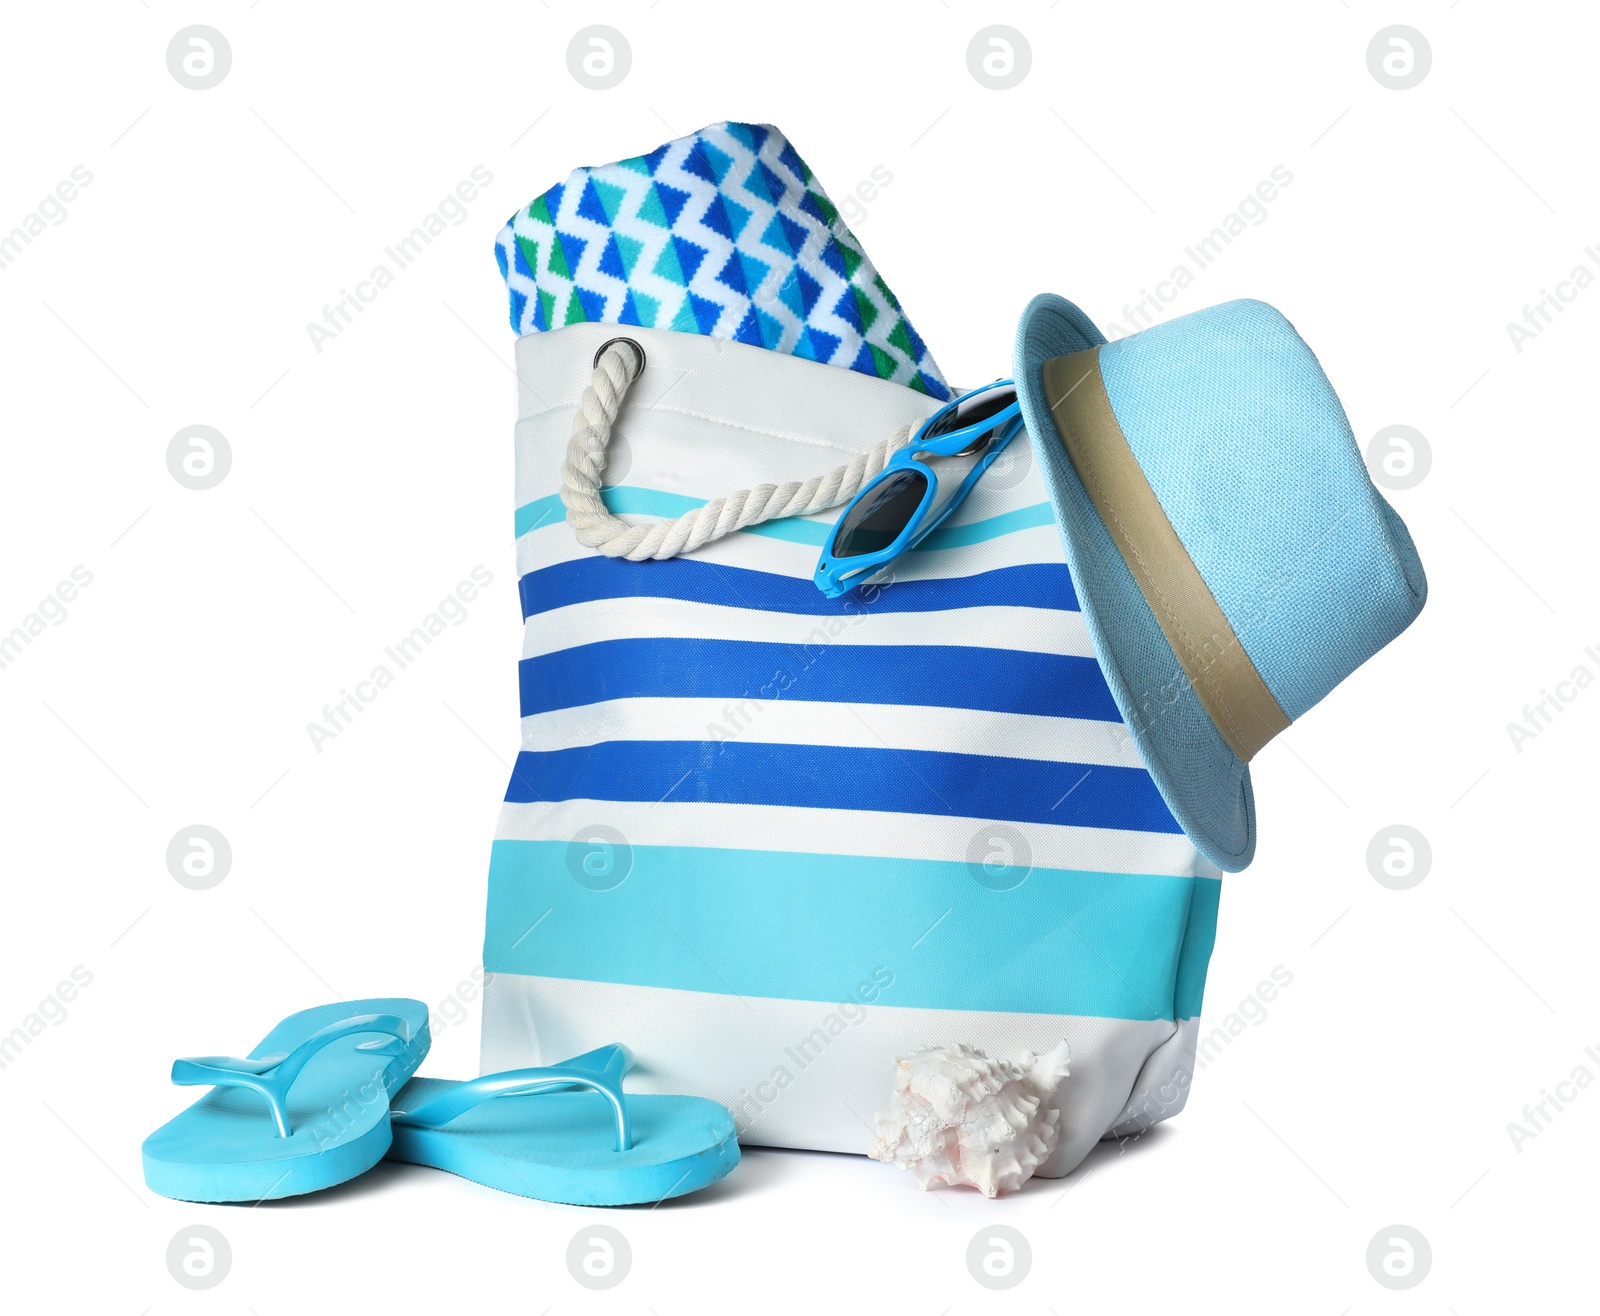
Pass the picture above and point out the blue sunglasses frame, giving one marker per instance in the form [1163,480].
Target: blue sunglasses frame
[837,576]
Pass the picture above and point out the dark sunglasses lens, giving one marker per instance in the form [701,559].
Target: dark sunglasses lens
[878,519]
[972,410]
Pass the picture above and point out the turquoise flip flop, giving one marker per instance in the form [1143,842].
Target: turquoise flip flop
[309,1107]
[527,1131]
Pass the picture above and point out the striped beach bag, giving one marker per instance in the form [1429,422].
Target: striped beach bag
[770,840]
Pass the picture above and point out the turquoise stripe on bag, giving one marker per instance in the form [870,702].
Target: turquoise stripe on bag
[1199,938]
[624,500]
[814,927]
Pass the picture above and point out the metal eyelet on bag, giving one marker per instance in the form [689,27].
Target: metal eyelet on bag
[612,342]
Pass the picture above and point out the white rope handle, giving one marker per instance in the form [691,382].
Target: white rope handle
[618,364]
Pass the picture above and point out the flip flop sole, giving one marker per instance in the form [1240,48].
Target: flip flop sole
[559,1146]
[224,1147]
[266,1181]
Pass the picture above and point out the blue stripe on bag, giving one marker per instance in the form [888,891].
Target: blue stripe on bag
[759,923]
[623,500]
[939,676]
[586,579]
[831,777]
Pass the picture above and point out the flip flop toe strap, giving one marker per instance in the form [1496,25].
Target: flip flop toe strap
[273,1075]
[597,1071]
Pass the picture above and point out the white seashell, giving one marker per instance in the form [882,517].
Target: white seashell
[958,1117]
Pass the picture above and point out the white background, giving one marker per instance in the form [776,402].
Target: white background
[369,479]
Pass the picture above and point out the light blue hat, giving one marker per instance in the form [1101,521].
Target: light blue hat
[1233,560]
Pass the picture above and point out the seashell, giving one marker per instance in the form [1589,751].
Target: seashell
[959,1117]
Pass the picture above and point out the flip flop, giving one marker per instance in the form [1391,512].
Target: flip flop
[309,1107]
[526,1131]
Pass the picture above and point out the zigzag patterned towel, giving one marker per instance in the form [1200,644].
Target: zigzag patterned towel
[724,232]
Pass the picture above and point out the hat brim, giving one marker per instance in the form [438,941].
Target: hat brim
[1205,784]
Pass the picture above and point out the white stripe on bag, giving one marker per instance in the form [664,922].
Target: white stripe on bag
[860,832]
[1031,630]
[859,726]
[555,542]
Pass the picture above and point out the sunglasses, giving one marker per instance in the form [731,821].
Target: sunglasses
[903,504]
